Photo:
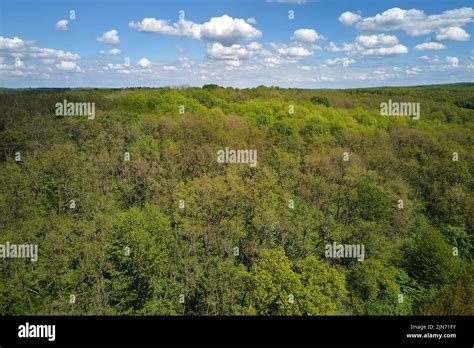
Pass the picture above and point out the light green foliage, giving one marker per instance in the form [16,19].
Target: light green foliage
[311,287]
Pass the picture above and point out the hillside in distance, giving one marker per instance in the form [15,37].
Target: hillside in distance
[223,201]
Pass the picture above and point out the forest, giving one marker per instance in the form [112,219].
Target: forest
[133,212]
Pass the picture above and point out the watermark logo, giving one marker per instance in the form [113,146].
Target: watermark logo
[37,331]
[392,108]
[337,251]
[25,251]
[66,108]
[237,156]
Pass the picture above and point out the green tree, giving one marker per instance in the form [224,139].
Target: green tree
[320,100]
[454,299]
[429,259]
[143,277]
[310,288]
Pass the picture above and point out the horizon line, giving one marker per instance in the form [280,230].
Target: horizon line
[238,88]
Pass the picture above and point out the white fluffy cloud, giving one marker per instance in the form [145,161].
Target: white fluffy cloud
[109,37]
[228,30]
[371,46]
[161,26]
[430,46]
[67,66]
[111,52]
[385,51]
[343,61]
[292,51]
[349,18]
[38,52]
[144,63]
[381,40]
[452,33]
[225,29]
[276,54]
[219,51]
[307,35]
[111,66]
[26,59]
[15,43]
[332,47]
[414,22]
[454,61]
[233,54]
[61,25]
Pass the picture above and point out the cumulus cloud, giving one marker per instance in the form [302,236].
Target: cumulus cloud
[38,52]
[144,63]
[381,40]
[343,61]
[160,26]
[228,30]
[385,51]
[225,29]
[111,66]
[67,66]
[452,33]
[255,53]
[454,61]
[292,51]
[414,22]
[217,50]
[29,60]
[61,25]
[332,47]
[371,46]
[109,37]
[111,52]
[349,18]
[430,60]
[307,35]
[15,43]
[430,46]
[232,55]
[251,20]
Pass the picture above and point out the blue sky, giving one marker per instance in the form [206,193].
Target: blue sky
[328,43]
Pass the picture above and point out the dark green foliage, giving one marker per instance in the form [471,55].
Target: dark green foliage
[320,100]
[456,298]
[429,259]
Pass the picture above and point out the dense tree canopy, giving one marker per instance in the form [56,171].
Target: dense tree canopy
[133,214]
